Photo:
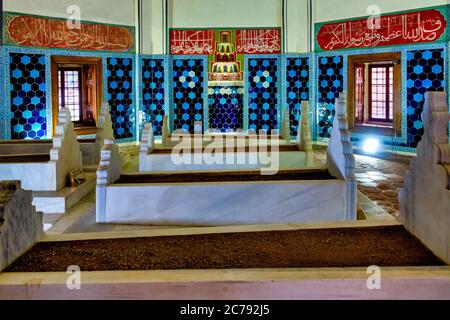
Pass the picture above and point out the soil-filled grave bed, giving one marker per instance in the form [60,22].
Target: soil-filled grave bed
[323,248]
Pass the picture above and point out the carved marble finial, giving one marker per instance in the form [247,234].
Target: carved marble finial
[435,117]
[148,139]
[165,131]
[304,131]
[63,126]
[285,127]
[341,161]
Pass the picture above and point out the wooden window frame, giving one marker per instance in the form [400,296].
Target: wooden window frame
[388,93]
[80,86]
[97,62]
[353,60]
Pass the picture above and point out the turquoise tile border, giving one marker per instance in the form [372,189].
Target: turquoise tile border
[48,53]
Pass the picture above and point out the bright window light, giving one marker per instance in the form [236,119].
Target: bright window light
[371,146]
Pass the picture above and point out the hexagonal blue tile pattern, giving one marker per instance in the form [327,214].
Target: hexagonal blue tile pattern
[188,92]
[331,84]
[226,108]
[153,92]
[28,96]
[425,73]
[297,77]
[263,93]
[120,95]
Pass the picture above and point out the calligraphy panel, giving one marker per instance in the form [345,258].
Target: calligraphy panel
[395,29]
[202,42]
[258,41]
[190,42]
[34,31]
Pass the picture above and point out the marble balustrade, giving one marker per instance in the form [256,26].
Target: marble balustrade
[230,203]
[425,198]
[65,156]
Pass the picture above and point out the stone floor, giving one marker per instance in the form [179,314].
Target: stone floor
[380,179]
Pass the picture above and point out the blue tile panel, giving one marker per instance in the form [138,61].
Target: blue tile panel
[263,93]
[28,96]
[120,96]
[330,85]
[153,92]
[226,108]
[426,72]
[297,78]
[188,93]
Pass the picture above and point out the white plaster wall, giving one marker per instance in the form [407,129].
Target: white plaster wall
[120,12]
[297,26]
[329,10]
[210,13]
[153,27]
[225,13]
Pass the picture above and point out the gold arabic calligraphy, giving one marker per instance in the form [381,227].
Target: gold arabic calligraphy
[426,26]
[50,33]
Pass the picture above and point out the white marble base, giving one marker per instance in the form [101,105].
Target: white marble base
[62,201]
[90,152]
[65,156]
[217,204]
[34,176]
[26,148]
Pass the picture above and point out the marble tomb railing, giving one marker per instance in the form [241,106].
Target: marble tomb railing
[90,148]
[91,151]
[425,198]
[217,198]
[52,175]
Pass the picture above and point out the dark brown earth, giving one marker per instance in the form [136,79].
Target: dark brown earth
[235,176]
[34,158]
[356,247]
[40,141]
[281,148]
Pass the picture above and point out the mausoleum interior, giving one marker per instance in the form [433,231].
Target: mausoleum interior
[211,149]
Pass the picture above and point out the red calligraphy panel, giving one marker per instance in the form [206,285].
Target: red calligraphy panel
[396,29]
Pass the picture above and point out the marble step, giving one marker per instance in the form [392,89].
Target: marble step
[231,176]
[62,201]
